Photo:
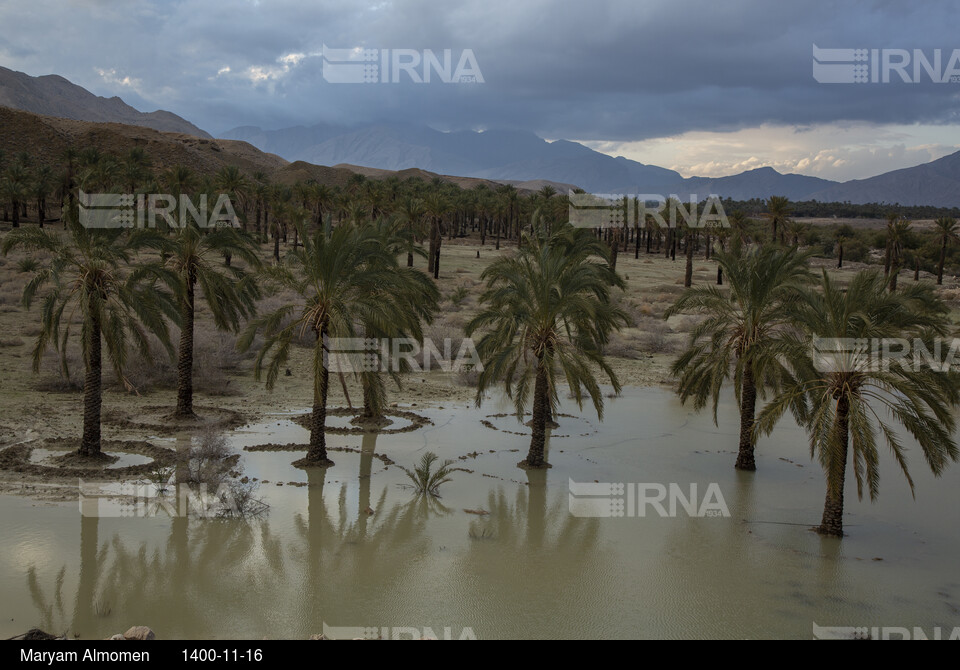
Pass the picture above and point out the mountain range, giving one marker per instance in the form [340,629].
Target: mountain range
[52,95]
[520,156]
[498,155]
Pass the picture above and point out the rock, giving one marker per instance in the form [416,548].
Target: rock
[118,636]
[139,633]
[37,634]
[317,636]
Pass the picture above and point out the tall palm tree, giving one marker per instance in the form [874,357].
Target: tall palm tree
[898,236]
[778,211]
[947,233]
[230,293]
[838,397]
[410,215]
[739,230]
[436,206]
[343,279]
[417,301]
[40,188]
[892,218]
[741,328]
[547,312]
[94,273]
[14,189]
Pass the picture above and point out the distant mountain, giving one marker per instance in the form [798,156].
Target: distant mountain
[758,183]
[52,95]
[936,183]
[499,155]
[523,157]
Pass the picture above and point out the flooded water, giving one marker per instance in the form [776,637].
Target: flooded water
[529,568]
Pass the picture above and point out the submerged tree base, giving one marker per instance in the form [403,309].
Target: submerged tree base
[828,531]
[313,463]
[525,465]
[80,458]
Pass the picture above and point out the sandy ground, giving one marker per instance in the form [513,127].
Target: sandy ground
[39,406]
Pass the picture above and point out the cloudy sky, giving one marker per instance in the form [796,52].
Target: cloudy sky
[706,88]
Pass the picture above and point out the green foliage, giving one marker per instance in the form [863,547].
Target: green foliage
[427,481]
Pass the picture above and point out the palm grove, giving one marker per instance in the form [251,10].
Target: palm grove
[349,254]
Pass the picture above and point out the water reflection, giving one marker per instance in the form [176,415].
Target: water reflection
[350,547]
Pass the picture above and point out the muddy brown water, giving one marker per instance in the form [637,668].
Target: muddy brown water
[530,568]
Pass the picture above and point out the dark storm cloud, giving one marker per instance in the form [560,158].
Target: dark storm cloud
[603,70]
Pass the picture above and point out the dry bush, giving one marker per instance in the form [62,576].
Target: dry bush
[51,377]
[215,357]
[209,461]
[439,333]
[469,378]
[656,337]
[623,345]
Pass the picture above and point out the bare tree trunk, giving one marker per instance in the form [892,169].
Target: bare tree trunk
[317,454]
[185,358]
[832,522]
[541,404]
[92,389]
[748,409]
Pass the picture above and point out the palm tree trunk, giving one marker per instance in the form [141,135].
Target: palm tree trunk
[943,260]
[748,410]
[409,259]
[541,404]
[832,522]
[276,246]
[317,454]
[719,275]
[92,389]
[688,274]
[185,357]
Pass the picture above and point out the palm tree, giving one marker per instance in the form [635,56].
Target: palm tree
[230,293]
[410,215]
[13,189]
[947,233]
[898,236]
[796,230]
[892,218]
[40,189]
[547,311]
[689,233]
[837,396]
[95,273]
[436,206]
[778,211]
[135,168]
[417,299]
[739,230]
[739,331]
[344,279]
